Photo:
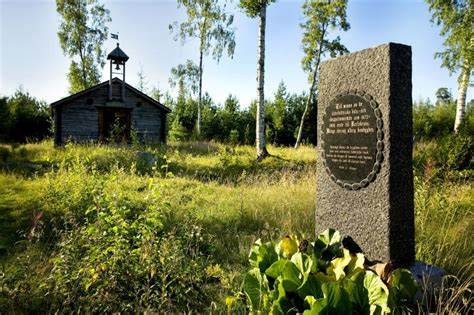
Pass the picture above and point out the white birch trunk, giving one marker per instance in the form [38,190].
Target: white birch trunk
[198,129]
[312,88]
[306,107]
[461,100]
[260,121]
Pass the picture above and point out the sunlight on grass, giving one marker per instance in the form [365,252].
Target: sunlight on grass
[233,199]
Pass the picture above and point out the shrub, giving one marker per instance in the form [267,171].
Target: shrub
[454,153]
[124,259]
[22,118]
[322,277]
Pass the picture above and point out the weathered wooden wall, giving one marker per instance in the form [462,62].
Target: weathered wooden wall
[80,116]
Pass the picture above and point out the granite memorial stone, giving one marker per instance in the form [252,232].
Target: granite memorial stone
[364,176]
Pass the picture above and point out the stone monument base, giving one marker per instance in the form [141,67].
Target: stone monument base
[428,278]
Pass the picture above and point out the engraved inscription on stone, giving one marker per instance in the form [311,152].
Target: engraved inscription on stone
[352,139]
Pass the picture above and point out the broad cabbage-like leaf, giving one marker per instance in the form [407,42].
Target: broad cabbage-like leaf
[356,264]
[303,262]
[291,277]
[337,265]
[256,289]
[335,301]
[328,244]
[311,287]
[368,293]
[276,269]
[403,288]
[263,255]
[281,304]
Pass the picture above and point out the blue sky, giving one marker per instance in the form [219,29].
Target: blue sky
[30,54]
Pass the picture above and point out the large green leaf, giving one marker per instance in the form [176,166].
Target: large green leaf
[368,293]
[303,262]
[281,304]
[335,301]
[356,264]
[403,289]
[311,287]
[276,269]
[263,255]
[337,298]
[324,278]
[328,244]
[256,289]
[337,265]
[291,277]
[316,306]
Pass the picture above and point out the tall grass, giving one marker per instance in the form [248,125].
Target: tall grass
[444,223]
[219,189]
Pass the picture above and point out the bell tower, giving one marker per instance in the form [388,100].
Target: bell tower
[118,58]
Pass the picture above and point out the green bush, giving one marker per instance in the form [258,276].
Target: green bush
[454,154]
[437,121]
[322,277]
[125,259]
[23,118]
[431,121]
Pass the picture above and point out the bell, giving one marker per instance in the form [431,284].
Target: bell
[117,66]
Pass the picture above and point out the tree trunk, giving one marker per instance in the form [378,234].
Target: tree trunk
[198,129]
[308,101]
[260,121]
[311,89]
[461,100]
[83,68]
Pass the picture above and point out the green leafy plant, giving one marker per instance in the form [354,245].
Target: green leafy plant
[296,276]
[126,258]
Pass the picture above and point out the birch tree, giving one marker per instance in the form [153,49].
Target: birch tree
[82,32]
[186,77]
[321,17]
[253,9]
[208,22]
[142,84]
[456,17]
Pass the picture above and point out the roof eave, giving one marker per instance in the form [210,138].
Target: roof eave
[71,97]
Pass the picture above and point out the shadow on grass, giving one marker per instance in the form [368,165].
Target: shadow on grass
[236,172]
[195,148]
[15,220]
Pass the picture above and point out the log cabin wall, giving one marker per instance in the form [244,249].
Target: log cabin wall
[79,121]
[79,116]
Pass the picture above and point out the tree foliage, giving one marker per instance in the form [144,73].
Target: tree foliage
[23,118]
[436,121]
[82,31]
[456,19]
[253,7]
[321,16]
[142,82]
[185,76]
[229,123]
[210,23]
[443,95]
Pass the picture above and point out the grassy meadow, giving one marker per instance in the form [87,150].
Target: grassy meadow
[110,228]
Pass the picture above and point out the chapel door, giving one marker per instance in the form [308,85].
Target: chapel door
[114,125]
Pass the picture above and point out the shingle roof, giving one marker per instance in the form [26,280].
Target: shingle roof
[117,54]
